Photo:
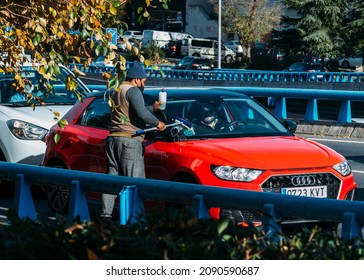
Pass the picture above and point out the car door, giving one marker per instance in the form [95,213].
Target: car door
[89,137]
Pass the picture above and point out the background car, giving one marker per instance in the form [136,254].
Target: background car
[275,54]
[194,63]
[173,48]
[136,34]
[314,70]
[260,48]
[99,62]
[121,43]
[24,127]
[352,62]
[206,48]
[253,150]
[236,47]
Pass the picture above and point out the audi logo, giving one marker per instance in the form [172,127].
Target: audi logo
[303,180]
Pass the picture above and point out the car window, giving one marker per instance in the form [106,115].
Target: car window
[237,118]
[186,60]
[97,114]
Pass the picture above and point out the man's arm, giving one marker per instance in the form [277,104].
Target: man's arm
[136,100]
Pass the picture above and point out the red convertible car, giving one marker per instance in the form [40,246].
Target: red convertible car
[249,149]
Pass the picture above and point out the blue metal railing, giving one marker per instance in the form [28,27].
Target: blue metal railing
[312,95]
[225,74]
[133,191]
[259,76]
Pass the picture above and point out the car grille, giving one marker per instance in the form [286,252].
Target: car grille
[275,183]
[250,215]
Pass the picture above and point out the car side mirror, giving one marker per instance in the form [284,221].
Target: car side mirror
[290,125]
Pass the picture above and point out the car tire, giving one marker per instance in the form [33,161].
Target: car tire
[345,64]
[58,196]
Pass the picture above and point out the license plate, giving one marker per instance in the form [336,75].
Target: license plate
[314,191]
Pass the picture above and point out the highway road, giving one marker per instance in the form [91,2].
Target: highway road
[352,149]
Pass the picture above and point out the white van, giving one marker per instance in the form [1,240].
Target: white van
[161,38]
[133,34]
[206,48]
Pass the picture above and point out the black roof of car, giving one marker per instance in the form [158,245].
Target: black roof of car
[308,65]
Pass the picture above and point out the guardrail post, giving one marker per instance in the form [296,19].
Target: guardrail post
[23,199]
[78,203]
[280,110]
[311,110]
[200,207]
[351,79]
[131,205]
[271,220]
[345,112]
[350,226]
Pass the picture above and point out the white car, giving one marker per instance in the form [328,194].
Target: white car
[206,48]
[352,62]
[133,34]
[235,46]
[23,129]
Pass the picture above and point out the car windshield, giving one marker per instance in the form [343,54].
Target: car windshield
[221,118]
[36,85]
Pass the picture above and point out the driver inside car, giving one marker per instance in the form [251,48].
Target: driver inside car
[207,120]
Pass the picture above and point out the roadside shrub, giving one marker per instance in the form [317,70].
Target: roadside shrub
[176,236]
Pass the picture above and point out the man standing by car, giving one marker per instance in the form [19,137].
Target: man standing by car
[124,149]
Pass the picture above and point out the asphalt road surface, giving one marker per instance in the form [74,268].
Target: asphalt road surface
[352,149]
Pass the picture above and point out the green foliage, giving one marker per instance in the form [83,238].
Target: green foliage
[54,32]
[177,235]
[354,26]
[58,32]
[250,20]
[154,53]
[319,25]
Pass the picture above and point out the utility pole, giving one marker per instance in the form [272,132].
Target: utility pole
[219,39]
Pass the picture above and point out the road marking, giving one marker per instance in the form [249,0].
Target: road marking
[357,171]
[337,140]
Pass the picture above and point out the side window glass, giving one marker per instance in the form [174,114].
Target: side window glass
[97,114]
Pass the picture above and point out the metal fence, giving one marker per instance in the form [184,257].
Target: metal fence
[133,191]
[166,71]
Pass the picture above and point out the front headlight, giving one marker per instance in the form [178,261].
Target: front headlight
[26,131]
[235,173]
[343,168]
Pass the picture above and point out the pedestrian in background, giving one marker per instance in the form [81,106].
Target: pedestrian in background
[124,149]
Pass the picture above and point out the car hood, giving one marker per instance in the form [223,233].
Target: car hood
[262,152]
[41,115]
